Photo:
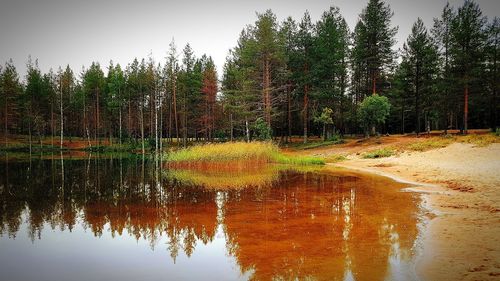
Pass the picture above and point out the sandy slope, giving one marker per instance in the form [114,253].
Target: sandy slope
[462,242]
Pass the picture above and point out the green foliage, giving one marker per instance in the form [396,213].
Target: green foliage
[373,111]
[262,130]
[325,118]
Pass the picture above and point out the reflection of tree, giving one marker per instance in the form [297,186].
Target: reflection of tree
[319,226]
[295,226]
[96,191]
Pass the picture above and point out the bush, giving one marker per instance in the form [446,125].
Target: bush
[262,130]
[373,111]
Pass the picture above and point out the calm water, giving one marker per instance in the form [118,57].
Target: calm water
[132,219]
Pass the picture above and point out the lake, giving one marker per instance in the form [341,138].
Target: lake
[130,218]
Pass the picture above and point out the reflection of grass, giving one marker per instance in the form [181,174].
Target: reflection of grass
[234,176]
[379,153]
[217,179]
[260,152]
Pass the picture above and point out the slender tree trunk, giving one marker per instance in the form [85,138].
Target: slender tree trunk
[97,117]
[170,119]
[85,123]
[62,119]
[266,91]
[161,125]
[305,111]
[156,121]
[29,131]
[185,127]
[466,106]
[232,128]
[142,121]
[289,115]
[247,129]
[129,120]
[52,123]
[174,101]
[6,117]
[120,121]
[417,99]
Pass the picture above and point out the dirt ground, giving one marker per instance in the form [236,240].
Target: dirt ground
[460,187]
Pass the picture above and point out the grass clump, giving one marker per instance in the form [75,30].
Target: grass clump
[479,140]
[333,158]
[261,152]
[379,153]
[431,143]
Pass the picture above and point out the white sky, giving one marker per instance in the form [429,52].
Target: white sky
[76,32]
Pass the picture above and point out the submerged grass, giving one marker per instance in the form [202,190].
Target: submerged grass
[264,152]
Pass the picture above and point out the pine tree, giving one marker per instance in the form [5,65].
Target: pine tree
[421,56]
[442,37]
[305,41]
[209,90]
[468,42]
[10,90]
[377,40]
[493,77]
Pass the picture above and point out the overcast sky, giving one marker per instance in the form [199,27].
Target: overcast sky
[77,32]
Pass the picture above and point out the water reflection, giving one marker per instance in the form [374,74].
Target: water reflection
[284,225]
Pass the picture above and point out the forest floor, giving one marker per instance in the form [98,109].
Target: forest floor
[459,179]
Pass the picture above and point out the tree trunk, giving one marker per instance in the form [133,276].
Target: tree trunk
[289,115]
[184,127]
[62,119]
[120,121]
[141,105]
[156,124]
[417,99]
[231,122]
[374,81]
[305,113]
[6,117]
[97,117]
[247,129]
[174,101]
[52,123]
[466,106]
[266,89]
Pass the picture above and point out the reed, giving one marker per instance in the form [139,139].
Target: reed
[256,152]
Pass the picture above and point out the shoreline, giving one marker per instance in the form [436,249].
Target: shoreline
[461,198]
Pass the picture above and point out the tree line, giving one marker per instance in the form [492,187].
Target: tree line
[281,79]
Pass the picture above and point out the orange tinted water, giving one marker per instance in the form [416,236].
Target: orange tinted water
[121,219]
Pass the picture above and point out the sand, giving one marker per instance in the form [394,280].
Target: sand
[461,190]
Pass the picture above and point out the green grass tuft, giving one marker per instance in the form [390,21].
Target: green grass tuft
[379,153]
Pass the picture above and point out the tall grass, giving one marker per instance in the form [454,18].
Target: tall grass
[261,152]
